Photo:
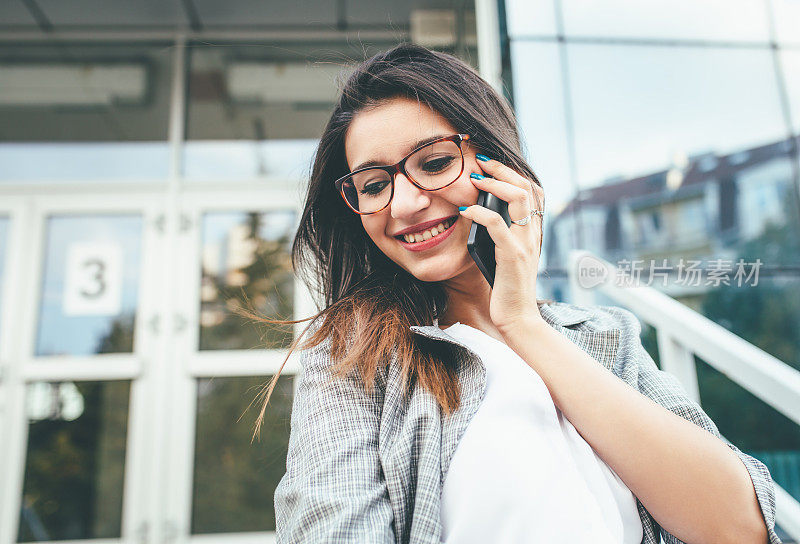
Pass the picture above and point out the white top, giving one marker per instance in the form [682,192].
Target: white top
[521,473]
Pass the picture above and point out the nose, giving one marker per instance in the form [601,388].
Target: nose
[408,198]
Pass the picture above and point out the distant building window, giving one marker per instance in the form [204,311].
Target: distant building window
[692,218]
[707,164]
[739,158]
[648,226]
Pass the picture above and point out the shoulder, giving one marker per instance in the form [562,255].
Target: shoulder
[595,318]
[610,334]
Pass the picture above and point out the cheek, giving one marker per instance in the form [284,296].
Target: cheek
[463,190]
[374,229]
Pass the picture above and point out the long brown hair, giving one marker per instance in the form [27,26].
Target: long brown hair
[370,301]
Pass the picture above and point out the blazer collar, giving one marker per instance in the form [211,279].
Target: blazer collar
[601,343]
[561,314]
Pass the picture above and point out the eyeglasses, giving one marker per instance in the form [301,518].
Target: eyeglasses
[431,167]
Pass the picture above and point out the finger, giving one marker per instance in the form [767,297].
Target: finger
[493,221]
[538,197]
[519,200]
[505,173]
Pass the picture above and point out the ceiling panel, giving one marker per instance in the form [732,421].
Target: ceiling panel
[383,12]
[113,13]
[215,13]
[396,12]
[13,13]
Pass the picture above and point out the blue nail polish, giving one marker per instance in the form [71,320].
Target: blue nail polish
[480,157]
[473,175]
[462,208]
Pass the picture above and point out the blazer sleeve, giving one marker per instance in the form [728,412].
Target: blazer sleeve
[333,490]
[665,389]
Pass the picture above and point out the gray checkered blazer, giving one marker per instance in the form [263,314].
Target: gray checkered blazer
[370,468]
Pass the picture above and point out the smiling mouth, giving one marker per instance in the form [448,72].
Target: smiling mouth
[427,234]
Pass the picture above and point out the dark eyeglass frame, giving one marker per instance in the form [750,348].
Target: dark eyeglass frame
[400,166]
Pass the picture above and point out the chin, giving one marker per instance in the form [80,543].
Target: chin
[433,270]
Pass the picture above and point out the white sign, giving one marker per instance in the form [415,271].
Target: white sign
[93,279]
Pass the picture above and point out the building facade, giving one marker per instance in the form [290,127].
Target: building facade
[153,159]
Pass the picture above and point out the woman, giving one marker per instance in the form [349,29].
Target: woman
[432,408]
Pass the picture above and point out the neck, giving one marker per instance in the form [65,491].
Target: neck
[468,298]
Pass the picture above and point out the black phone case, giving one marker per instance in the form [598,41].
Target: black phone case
[480,244]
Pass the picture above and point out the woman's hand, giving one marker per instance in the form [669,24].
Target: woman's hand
[517,247]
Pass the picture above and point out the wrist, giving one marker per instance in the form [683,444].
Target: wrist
[523,328]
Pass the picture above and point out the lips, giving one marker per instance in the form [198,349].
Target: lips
[430,242]
[427,233]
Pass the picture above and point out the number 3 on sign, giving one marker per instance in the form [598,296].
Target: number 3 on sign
[93,279]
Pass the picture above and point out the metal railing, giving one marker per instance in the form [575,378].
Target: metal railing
[683,333]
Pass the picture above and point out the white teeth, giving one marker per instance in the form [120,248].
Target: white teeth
[428,234]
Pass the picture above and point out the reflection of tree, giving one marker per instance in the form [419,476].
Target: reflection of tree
[234,481]
[119,338]
[267,286]
[74,470]
[768,316]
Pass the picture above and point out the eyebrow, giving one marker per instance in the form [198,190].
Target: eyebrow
[414,146]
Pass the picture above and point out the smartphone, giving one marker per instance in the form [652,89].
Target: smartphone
[479,244]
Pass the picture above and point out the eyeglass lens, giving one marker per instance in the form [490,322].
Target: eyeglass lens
[433,167]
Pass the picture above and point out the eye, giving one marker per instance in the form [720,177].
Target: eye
[374,188]
[437,164]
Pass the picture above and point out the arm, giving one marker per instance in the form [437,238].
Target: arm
[666,390]
[333,489]
[688,479]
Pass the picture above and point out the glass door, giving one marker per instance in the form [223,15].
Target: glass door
[234,253]
[82,365]
[11,214]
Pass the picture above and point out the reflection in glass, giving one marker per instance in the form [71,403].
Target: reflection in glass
[90,285]
[75,461]
[4,227]
[790,62]
[786,14]
[257,109]
[752,425]
[84,111]
[231,159]
[234,480]
[639,109]
[84,161]
[673,19]
[246,264]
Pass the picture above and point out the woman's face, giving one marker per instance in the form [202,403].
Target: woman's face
[386,134]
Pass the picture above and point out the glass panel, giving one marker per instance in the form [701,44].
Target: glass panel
[84,111]
[232,159]
[4,228]
[257,110]
[75,461]
[246,264]
[637,109]
[786,14]
[753,426]
[530,18]
[234,480]
[790,62]
[668,19]
[667,170]
[539,105]
[90,285]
